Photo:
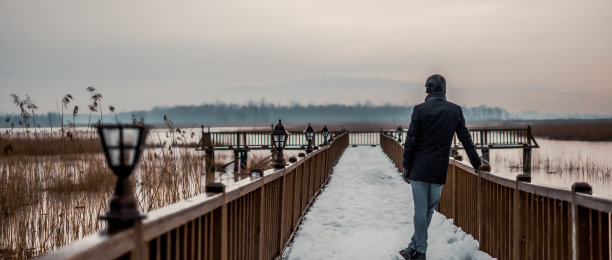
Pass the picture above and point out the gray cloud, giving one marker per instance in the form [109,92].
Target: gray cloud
[147,53]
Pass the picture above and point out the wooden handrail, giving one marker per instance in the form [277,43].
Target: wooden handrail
[515,219]
[253,219]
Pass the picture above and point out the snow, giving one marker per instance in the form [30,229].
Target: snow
[365,212]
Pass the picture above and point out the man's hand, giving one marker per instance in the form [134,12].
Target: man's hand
[405,176]
[484,166]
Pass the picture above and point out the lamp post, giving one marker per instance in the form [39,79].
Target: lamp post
[279,140]
[400,132]
[122,147]
[325,133]
[331,138]
[309,132]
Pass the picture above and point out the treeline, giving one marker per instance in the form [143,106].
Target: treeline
[256,113]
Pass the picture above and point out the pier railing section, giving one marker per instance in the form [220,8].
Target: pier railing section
[512,137]
[515,219]
[501,137]
[253,219]
[261,140]
[365,138]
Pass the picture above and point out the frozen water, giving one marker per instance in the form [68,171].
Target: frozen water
[365,212]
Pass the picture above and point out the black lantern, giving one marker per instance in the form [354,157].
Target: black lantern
[331,138]
[400,133]
[279,140]
[309,132]
[122,147]
[325,133]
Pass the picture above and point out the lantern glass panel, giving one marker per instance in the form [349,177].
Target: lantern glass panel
[279,140]
[130,137]
[111,136]
[128,156]
[309,136]
[114,155]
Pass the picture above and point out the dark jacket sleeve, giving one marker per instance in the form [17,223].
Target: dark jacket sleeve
[411,141]
[466,140]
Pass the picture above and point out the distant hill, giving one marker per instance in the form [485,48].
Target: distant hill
[221,113]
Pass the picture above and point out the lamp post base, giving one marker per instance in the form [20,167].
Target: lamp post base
[123,212]
[309,148]
[280,162]
[116,223]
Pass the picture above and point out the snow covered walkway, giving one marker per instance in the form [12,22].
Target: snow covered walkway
[365,212]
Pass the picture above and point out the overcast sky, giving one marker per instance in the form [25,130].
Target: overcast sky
[551,56]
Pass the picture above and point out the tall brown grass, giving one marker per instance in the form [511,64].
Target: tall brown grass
[584,130]
[47,144]
[53,188]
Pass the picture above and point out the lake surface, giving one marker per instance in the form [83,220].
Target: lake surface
[560,163]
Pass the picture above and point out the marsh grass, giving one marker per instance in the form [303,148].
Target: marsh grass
[584,130]
[74,142]
[53,188]
[48,201]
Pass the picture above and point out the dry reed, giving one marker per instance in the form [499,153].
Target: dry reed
[51,195]
[584,130]
[47,144]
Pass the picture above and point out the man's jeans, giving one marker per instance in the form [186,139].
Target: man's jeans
[426,197]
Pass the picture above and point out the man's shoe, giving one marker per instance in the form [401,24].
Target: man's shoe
[407,252]
[418,255]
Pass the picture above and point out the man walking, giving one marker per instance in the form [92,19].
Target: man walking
[426,153]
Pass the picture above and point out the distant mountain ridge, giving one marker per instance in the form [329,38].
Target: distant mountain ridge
[325,90]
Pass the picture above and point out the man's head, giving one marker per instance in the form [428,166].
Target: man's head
[435,83]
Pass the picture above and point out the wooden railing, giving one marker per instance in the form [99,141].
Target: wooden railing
[500,137]
[514,219]
[253,219]
[255,140]
[365,138]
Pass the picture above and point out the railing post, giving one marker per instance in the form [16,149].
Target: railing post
[244,158]
[140,247]
[281,230]
[210,165]
[260,218]
[580,223]
[454,151]
[479,209]
[236,164]
[453,189]
[485,153]
[526,159]
[219,219]
[518,228]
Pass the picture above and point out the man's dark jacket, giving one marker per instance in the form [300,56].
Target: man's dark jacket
[428,142]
